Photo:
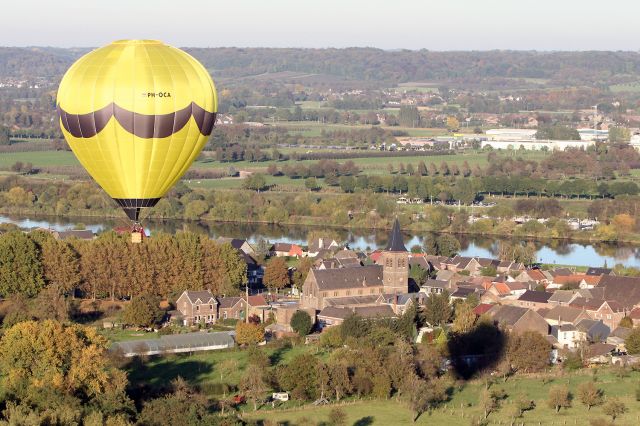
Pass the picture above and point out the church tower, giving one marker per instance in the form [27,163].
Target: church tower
[395,263]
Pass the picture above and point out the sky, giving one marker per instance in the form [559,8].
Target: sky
[395,24]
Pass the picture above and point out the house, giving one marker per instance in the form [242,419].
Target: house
[436,286]
[575,281]
[564,315]
[197,306]
[283,312]
[332,315]
[609,311]
[635,316]
[259,306]
[462,293]
[399,303]
[618,337]
[562,297]
[593,331]
[599,353]
[599,271]
[321,243]
[518,319]
[533,299]
[567,336]
[537,275]
[287,250]
[482,309]
[238,244]
[624,290]
[231,308]
[506,267]
[255,271]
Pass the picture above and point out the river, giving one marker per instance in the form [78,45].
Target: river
[554,251]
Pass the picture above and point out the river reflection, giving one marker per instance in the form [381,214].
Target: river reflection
[551,251]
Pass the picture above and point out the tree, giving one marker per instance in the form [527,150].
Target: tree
[464,319]
[347,183]
[300,377]
[253,384]
[255,182]
[61,265]
[337,417]
[339,381]
[261,249]
[522,404]
[45,364]
[528,351]
[312,184]
[20,266]
[182,407]
[447,245]
[489,401]
[632,342]
[227,367]
[559,397]
[276,274]
[437,310]
[452,124]
[4,136]
[614,408]
[143,311]
[626,322]
[589,395]
[248,333]
[301,323]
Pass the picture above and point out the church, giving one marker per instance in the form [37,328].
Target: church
[363,286]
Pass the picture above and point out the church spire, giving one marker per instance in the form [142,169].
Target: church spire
[395,238]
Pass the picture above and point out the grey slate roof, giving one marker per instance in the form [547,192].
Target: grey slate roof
[361,277]
[564,313]
[395,239]
[352,300]
[624,290]
[507,314]
[228,302]
[535,296]
[204,295]
[599,271]
[562,296]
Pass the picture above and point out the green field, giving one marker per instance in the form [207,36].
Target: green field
[626,87]
[39,158]
[203,367]
[462,406]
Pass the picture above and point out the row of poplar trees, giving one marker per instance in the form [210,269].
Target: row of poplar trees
[112,267]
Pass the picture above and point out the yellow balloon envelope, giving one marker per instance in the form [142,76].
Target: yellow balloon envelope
[136,114]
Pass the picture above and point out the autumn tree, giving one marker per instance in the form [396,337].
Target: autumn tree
[20,266]
[248,333]
[143,311]
[276,274]
[559,397]
[614,408]
[632,341]
[464,318]
[227,367]
[337,417]
[589,394]
[300,377]
[45,364]
[223,270]
[528,351]
[253,384]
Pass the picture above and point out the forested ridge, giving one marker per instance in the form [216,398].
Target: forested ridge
[591,67]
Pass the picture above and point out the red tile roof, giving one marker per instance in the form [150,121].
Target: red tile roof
[482,308]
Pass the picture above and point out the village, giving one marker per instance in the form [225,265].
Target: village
[591,312]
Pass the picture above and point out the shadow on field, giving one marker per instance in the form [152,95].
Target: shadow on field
[365,421]
[476,351]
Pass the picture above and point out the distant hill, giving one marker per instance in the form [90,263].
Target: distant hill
[368,64]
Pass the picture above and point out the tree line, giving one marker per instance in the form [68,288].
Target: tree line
[112,267]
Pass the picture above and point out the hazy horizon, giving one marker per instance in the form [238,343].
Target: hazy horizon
[456,25]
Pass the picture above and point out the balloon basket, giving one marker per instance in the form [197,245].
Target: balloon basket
[137,233]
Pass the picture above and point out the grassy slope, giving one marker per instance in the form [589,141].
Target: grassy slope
[463,405]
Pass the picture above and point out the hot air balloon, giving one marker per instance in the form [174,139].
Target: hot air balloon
[136,114]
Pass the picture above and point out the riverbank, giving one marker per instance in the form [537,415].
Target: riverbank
[549,251]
